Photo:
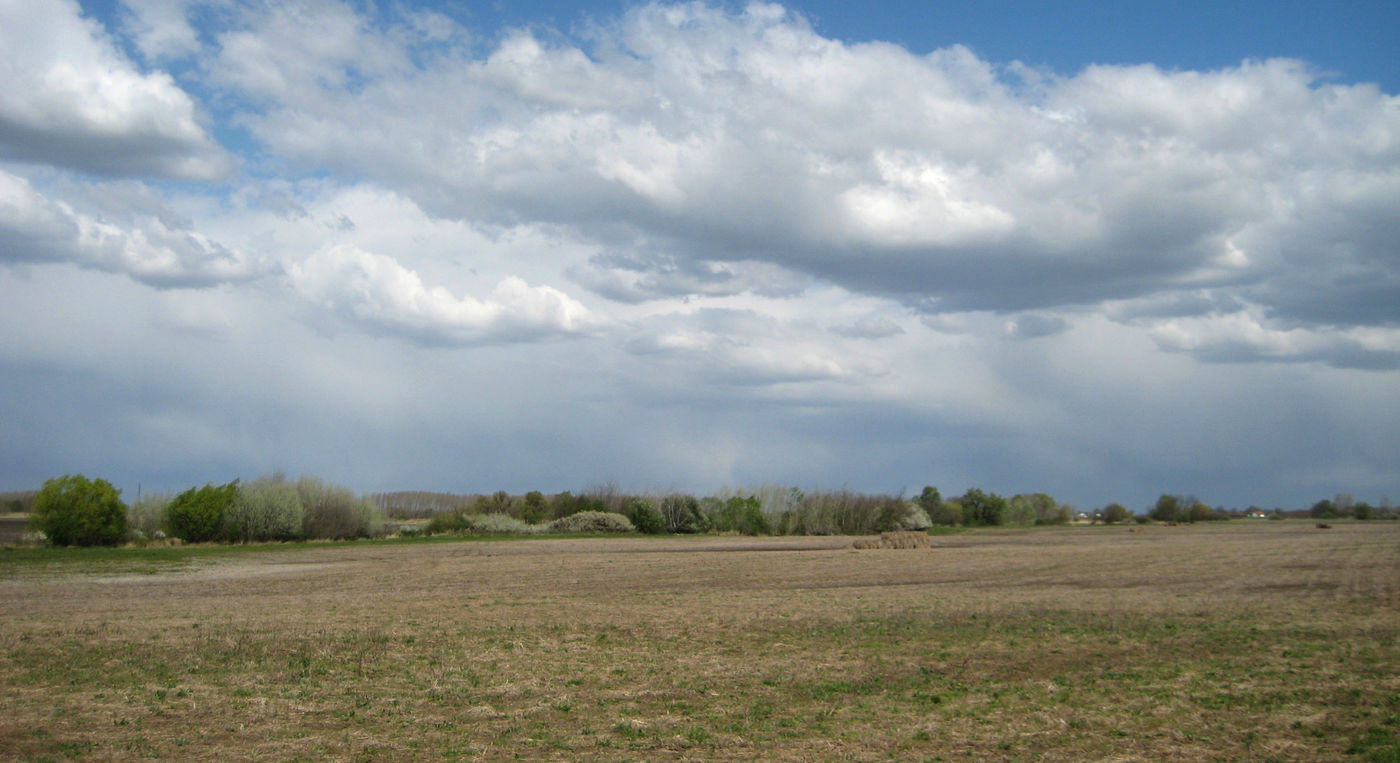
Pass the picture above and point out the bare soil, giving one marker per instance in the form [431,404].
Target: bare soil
[1238,640]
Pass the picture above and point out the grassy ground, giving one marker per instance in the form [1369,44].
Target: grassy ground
[1240,640]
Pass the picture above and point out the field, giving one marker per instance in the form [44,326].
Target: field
[1242,640]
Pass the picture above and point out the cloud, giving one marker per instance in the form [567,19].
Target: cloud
[1245,337]
[72,100]
[1034,326]
[698,147]
[155,251]
[375,292]
[870,327]
[160,28]
[637,277]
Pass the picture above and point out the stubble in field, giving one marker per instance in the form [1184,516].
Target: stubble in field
[1268,640]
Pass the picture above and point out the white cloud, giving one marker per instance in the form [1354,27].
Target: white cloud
[377,293]
[160,28]
[72,100]
[35,228]
[1246,337]
[732,141]
[802,257]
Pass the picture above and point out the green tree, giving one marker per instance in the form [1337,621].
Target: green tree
[74,511]
[1115,513]
[197,515]
[981,508]
[1363,511]
[1324,509]
[534,508]
[1201,512]
[1168,509]
[682,514]
[930,499]
[644,516]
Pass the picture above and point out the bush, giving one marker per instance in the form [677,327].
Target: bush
[267,509]
[682,514]
[74,511]
[644,516]
[981,508]
[447,522]
[497,524]
[592,522]
[741,515]
[336,513]
[197,515]
[950,513]
[915,518]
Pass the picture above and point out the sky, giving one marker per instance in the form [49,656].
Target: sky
[1100,250]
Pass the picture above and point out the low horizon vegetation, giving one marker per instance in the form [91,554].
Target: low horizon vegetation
[275,509]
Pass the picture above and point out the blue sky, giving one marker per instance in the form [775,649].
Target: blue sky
[473,246]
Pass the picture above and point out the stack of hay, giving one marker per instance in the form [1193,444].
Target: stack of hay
[904,539]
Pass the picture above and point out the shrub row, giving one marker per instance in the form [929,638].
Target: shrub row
[73,510]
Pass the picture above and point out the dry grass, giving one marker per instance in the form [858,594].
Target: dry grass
[904,539]
[1267,640]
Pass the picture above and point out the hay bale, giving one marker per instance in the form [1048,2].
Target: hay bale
[902,539]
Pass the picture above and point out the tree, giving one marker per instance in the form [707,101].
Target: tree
[930,500]
[981,508]
[682,514]
[1115,513]
[1323,509]
[1168,509]
[74,511]
[197,515]
[534,508]
[1362,511]
[644,516]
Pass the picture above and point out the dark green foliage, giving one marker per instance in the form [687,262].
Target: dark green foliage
[1363,511]
[447,522]
[930,499]
[682,514]
[499,503]
[75,511]
[741,515]
[197,515]
[1200,512]
[946,514]
[979,508]
[644,516]
[1115,513]
[1324,509]
[534,509]
[1168,509]
[566,504]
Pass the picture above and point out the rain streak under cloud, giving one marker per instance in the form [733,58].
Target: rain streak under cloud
[683,245]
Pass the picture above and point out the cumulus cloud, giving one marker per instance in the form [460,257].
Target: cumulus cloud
[377,293]
[1245,337]
[735,141]
[71,99]
[37,229]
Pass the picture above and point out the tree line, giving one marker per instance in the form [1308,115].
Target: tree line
[74,510]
